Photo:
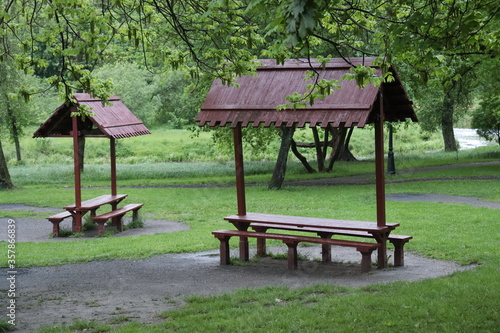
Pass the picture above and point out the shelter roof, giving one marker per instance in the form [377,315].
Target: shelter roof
[256,98]
[113,121]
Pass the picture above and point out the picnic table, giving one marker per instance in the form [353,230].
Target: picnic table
[78,212]
[323,228]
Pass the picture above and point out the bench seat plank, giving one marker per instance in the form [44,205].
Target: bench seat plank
[59,217]
[397,240]
[292,241]
[116,215]
[56,220]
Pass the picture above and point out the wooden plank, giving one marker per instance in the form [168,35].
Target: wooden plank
[291,241]
[296,238]
[60,216]
[117,212]
[311,222]
[98,201]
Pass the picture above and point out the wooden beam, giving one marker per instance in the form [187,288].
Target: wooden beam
[112,152]
[77,217]
[380,181]
[240,172]
[379,164]
[76,162]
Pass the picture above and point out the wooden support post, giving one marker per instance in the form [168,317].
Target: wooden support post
[240,171]
[77,218]
[380,179]
[240,186]
[112,152]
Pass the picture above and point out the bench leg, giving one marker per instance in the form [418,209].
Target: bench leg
[224,250]
[55,228]
[399,254]
[292,255]
[100,226]
[366,261]
[261,247]
[119,223]
[135,215]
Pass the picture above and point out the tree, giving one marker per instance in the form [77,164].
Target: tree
[5,181]
[486,119]
[136,87]
[222,38]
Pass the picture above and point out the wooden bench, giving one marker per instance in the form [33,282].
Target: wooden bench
[292,241]
[56,219]
[116,216]
[398,241]
[379,232]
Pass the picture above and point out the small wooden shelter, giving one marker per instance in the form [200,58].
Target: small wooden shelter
[113,121]
[255,100]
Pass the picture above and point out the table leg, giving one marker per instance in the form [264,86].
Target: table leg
[244,255]
[382,250]
[261,242]
[292,255]
[77,222]
[326,249]
[244,252]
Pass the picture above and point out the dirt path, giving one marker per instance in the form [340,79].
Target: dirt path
[140,289]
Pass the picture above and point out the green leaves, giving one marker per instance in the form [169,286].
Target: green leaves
[319,89]
[367,75]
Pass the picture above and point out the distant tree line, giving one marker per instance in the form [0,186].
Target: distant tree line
[161,55]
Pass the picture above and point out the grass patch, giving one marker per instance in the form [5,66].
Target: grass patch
[79,326]
[5,326]
[137,222]
[64,232]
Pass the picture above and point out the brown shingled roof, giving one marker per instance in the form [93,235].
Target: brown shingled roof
[115,121]
[256,98]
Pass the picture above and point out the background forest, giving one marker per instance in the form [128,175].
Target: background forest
[161,56]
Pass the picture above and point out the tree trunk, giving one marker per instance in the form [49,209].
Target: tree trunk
[14,131]
[301,158]
[450,143]
[15,136]
[280,167]
[339,135]
[325,144]
[5,181]
[347,156]
[319,153]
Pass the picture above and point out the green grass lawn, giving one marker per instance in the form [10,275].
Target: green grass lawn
[462,302]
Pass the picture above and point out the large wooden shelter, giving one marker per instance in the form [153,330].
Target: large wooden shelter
[254,103]
[112,121]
